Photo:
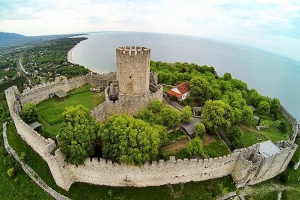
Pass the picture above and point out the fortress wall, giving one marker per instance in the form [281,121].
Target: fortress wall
[41,92]
[155,174]
[101,80]
[243,164]
[129,104]
[31,137]
[293,121]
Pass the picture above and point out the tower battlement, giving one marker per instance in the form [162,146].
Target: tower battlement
[133,50]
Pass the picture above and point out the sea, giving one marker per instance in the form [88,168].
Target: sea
[271,75]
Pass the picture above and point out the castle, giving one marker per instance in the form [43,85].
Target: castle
[134,89]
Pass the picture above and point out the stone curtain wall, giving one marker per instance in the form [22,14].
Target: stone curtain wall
[41,92]
[155,174]
[28,170]
[246,166]
[40,145]
[293,121]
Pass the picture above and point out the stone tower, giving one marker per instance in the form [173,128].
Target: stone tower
[133,70]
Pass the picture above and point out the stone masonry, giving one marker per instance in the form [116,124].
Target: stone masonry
[246,166]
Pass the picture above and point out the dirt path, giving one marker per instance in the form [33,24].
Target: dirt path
[207,139]
[176,146]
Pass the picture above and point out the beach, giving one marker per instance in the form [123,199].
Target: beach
[70,59]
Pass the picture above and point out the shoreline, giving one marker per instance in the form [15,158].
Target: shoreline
[70,60]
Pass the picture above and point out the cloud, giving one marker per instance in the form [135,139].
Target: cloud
[214,18]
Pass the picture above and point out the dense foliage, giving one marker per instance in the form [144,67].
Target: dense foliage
[77,134]
[129,140]
[29,113]
[194,148]
[158,114]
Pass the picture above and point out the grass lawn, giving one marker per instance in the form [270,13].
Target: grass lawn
[216,149]
[50,111]
[251,135]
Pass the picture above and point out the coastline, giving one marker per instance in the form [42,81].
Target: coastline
[70,60]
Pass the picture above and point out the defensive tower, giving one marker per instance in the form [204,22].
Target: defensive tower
[133,70]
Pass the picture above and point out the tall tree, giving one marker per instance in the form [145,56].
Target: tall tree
[29,113]
[199,129]
[263,108]
[200,89]
[186,114]
[194,148]
[77,134]
[275,106]
[217,114]
[129,140]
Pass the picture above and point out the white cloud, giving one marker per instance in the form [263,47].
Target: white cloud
[248,20]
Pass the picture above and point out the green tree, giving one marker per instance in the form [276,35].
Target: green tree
[199,129]
[194,148]
[247,113]
[263,108]
[200,89]
[158,114]
[129,140]
[170,117]
[227,76]
[186,114]
[236,134]
[29,113]
[216,114]
[275,106]
[77,134]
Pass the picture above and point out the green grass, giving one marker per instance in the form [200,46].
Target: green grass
[263,196]
[50,111]
[194,190]
[19,186]
[176,135]
[216,149]
[249,138]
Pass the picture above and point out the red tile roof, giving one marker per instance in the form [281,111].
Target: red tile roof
[182,89]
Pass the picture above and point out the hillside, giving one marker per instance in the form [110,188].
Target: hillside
[10,36]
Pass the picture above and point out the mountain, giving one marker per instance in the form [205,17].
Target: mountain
[10,36]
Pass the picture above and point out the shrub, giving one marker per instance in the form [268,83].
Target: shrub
[10,172]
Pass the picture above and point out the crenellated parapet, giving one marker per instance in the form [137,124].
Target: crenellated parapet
[133,50]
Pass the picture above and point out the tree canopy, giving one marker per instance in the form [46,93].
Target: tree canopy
[77,134]
[29,113]
[194,148]
[129,140]
[186,114]
[217,114]
[158,114]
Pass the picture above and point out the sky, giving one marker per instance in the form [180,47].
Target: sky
[272,25]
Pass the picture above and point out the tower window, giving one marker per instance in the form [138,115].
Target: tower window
[129,76]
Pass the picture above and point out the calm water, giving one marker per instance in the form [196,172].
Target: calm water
[270,74]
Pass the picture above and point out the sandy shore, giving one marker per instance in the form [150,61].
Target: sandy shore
[70,54]
[69,58]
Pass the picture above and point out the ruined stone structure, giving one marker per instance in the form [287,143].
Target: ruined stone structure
[246,166]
